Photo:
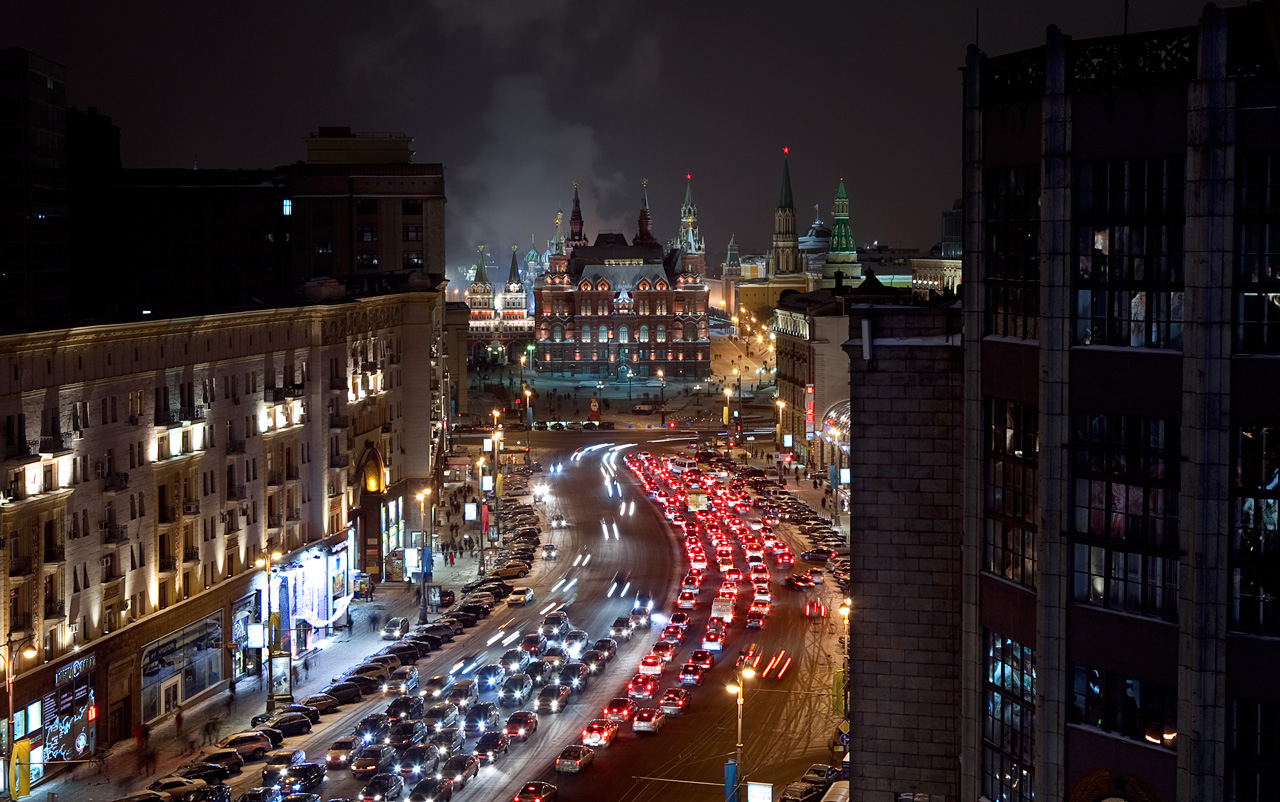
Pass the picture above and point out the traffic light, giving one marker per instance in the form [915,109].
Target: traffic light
[787,459]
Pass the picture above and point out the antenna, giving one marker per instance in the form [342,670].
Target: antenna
[977,27]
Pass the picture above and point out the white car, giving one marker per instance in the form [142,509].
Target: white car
[175,786]
[648,719]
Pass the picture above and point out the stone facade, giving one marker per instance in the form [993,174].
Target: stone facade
[148,465]
[905,414]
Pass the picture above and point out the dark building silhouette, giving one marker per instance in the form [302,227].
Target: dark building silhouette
[1121,437]
[34,254]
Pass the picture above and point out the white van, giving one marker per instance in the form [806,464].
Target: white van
[680,465]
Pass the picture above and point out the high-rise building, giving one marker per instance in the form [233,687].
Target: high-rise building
[1121,435]
[34,254]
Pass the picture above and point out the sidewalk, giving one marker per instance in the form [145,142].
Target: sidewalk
[121,775]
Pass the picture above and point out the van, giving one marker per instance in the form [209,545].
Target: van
[642,409]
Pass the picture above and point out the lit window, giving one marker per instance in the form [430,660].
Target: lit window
[286,207]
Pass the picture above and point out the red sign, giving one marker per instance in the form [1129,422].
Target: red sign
[808,409]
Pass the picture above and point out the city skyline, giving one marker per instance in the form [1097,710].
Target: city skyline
[558,91]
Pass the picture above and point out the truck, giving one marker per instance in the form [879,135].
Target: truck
[722,608]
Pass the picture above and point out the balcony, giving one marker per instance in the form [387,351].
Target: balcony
[19,566]
[339,461]
[275,479]
[114,533]
[235,446]
[338,384]
[191,507]
[339,421]
[236,493]
[25,451]
[294,390]
[187,414]
[168,515]
[394,359]
[115,482]
[55,609]
[369,367]
[20,622]
[291,473]
[295,514]
[55,443]
[274,395]
[168,565]
[190,556]
[54,554]
[274,521]
[168,417]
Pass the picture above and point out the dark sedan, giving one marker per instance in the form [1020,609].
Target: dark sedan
[382,787]
[460,769]
[344,692]
[432,789]
[482,717]
[199,770]
[307,710]
[301,777]
[290,723]
[490,746]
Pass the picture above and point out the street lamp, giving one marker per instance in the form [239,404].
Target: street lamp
[427,540]
[528,401]
[264,561]
[738,686]
[522,360]
[782,405]
[28,647]
[662,403]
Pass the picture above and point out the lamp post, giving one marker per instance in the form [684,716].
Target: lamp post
[728,427]
[528,402]
[264,561]
[738,687]
[426,542]
[662,404]
[29,652]
[782,405]
[522,360]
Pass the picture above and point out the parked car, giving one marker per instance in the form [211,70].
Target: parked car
[395,628]
[343,692]
[249,744]
[200,770]
[322,702]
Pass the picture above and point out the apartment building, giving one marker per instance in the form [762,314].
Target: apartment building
[1121,449]
[149,466]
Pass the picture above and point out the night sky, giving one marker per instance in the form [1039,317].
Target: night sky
[518,98]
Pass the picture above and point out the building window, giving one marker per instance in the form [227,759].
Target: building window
[367,233]
[586,334]
[1253,750]
[662,334]
[1257,249]
[366,261]
[1008,730]
[557,333]
[1125,496]
[413,233]
[603,334]
[286,207]
[412,259]
[1255,530]
[1010,257]
[324,246]
[366,207]
[1134,708]
[644,334]
[623,334]
[1129,220]
[1012,450]
[411,206]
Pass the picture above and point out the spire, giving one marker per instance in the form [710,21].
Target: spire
[513,277]
[644,235]
[688,190]
[576,237]
[784,198]
[841,233]
[481,276]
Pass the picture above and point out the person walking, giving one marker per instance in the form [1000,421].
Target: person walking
[177,720]
[231,695]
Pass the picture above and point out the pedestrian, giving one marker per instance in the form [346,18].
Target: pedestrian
[191,743]
[208,733]
[450,558]
[149,761]
[231,696]
[293,670]
[177,720]
[306,667]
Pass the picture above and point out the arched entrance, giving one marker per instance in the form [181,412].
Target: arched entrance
[370,494]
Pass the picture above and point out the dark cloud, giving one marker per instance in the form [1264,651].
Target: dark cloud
[518,98]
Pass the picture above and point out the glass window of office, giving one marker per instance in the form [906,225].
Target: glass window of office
[179,667]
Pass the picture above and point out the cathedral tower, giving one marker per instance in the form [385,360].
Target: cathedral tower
[576,236]
[783,259]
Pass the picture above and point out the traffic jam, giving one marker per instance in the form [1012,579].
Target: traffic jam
[435,734]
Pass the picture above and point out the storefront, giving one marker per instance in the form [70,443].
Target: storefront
[60,726]
[244,660]
[181,666]
[391,517]
[835,454]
